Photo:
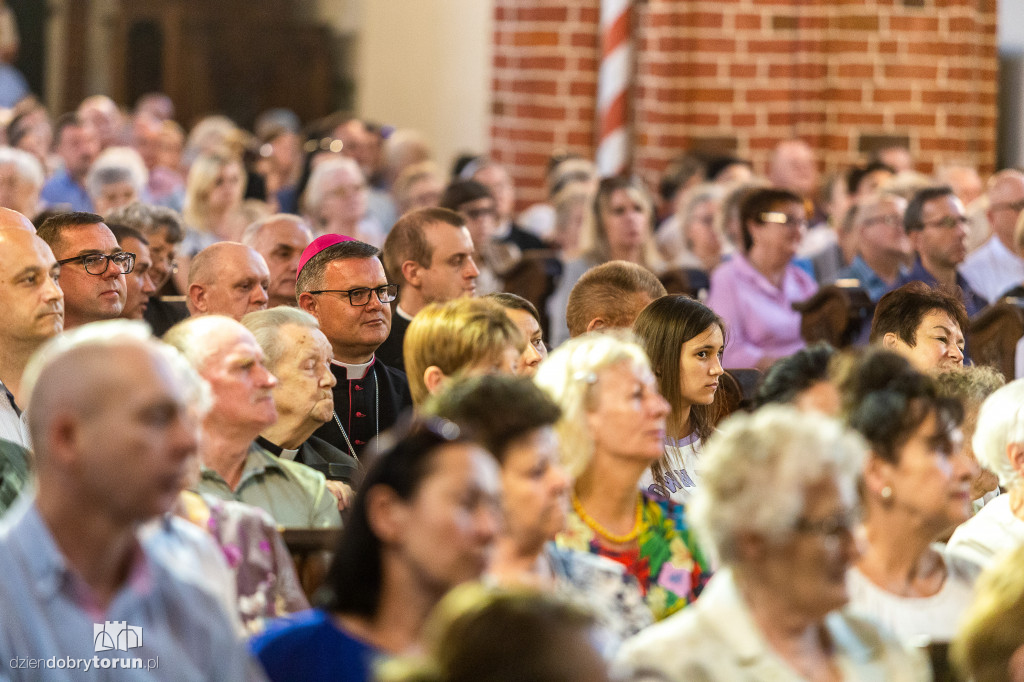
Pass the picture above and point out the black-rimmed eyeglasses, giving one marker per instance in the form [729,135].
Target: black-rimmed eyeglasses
[97,263]
[361,296]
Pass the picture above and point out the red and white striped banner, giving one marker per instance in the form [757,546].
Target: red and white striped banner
[613,86]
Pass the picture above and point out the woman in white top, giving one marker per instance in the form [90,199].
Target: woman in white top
[685,340]
[917,484]
[777,505]
[999,446]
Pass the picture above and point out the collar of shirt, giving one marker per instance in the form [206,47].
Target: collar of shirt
[276,449]
[355,372]
[257,461]
[10,398]
[748,273]
[402,314]
[53,574]
[735,624]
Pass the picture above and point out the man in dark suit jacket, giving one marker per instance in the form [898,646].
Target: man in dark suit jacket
[342,284]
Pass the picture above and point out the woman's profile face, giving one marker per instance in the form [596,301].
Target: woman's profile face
[932,478]
[810,565]
[535,488]
[226,189]
[628,417]
[625,220]
[778,232]
[701,236]
[700,366]
[447,530]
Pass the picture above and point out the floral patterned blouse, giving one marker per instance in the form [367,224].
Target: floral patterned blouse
[667,561]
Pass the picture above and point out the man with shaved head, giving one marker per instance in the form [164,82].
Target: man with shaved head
[234,467]
[280,239]
[227,278]
[86,553]
[31,311]
[93,266]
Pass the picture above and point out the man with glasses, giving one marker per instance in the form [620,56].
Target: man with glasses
[342,283]
[996,266]
[937,227]
[882,244]
[93,266]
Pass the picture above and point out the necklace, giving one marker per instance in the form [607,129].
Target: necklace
[604,532]
[376,417]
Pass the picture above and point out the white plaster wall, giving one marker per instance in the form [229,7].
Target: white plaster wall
[426,64]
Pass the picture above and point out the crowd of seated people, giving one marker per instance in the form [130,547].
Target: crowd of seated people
[221,348]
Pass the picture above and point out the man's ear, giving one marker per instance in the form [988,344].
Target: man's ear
[197,298]
[411,272]
[307,302]
[433,379]
[889,341]
[597,323]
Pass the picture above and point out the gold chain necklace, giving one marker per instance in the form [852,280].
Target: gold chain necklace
[604,532]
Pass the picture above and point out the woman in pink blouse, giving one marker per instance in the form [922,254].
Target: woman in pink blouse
[755,290]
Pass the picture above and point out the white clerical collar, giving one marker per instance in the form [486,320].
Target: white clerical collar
[354,371]
[288,454]
[401,313]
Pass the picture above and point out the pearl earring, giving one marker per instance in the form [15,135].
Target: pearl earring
[886,493]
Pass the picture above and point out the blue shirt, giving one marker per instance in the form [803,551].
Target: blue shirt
[61,189]
[183,632]
[972,301]
[309,646]
[870,281]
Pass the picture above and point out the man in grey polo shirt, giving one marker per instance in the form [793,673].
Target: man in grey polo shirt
[227,355]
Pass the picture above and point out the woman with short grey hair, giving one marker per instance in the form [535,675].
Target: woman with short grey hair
[777,505]
[998,444]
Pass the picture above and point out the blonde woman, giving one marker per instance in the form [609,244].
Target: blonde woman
[612,431]
[213,207]
[463,337]
[618,227]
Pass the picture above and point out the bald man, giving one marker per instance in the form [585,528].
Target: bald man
[227,278]
[114,435]
[280,239]
[234,467]
[996,266]
[31,311]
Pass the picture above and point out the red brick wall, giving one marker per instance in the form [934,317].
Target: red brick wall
[740,75]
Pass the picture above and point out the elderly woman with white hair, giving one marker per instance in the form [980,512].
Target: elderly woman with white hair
[777,504]
[336,201]
[999,446]
[21,180]
[611,431]
[116,178]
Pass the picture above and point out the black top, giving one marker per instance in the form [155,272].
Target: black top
[335,464]
[162,315]
[523,239]
[354,404]
[390,352]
